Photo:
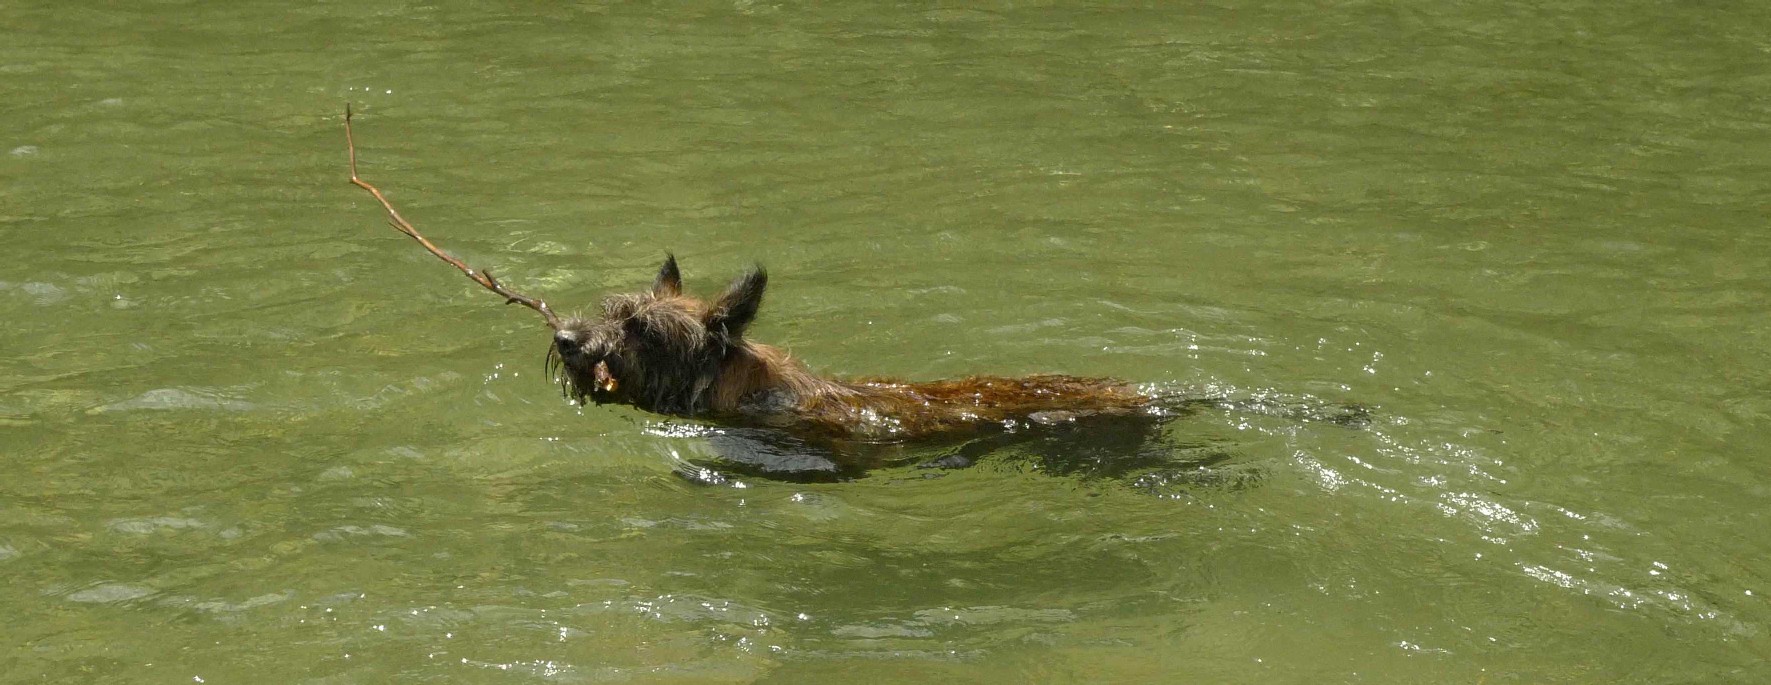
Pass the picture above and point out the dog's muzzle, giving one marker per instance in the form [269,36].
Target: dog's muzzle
[605,381]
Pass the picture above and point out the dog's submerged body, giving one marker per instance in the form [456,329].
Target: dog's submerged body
[665,352]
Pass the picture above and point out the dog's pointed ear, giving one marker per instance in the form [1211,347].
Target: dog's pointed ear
[736,307]
[670,281]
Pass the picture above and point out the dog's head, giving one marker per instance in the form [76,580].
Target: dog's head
[659,350]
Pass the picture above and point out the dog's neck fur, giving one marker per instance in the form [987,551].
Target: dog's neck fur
[757,375]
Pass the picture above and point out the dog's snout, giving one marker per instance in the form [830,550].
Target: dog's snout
[565,340]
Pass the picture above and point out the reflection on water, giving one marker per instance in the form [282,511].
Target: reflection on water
[248,430]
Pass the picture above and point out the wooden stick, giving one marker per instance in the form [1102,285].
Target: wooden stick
[400,224]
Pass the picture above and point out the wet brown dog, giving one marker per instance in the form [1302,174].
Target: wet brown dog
[668,353]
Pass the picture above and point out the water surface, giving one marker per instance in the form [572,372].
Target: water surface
[250,432]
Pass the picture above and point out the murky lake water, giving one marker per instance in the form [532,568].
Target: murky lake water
[251,434]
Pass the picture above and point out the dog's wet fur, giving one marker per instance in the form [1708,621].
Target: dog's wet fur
[666,352]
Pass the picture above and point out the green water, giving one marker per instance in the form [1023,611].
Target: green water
[250,434]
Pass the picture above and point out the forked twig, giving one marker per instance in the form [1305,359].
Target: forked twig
[400,224]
